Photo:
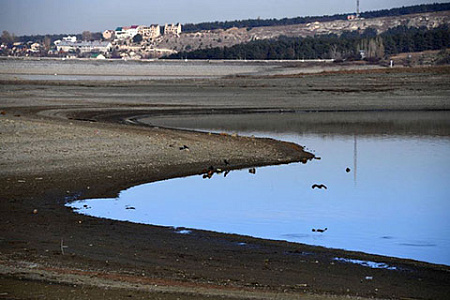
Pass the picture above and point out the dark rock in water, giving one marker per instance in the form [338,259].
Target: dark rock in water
[347,170]
[252,171]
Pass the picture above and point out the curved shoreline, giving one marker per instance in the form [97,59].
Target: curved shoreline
[47,161]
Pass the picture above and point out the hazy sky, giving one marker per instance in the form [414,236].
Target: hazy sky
[74,16]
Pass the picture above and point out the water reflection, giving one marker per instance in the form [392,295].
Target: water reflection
[385,194]
[354,124]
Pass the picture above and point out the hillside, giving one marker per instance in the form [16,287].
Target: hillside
[227,38]
[250,23]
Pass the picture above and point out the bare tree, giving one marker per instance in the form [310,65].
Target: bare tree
[86,36]
[374,48]
[7,38]
[47,42]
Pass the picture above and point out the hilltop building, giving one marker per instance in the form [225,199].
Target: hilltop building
[127,32]
[109,34]
[172,29]
[149,32]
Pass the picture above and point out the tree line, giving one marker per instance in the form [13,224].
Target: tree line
[303,20]
[348,46]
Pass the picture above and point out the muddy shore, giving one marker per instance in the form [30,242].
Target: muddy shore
[72,140]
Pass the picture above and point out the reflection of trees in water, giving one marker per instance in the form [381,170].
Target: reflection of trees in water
[343,123]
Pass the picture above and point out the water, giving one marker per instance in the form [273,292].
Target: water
[394,201]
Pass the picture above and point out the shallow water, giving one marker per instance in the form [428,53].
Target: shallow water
[394,200]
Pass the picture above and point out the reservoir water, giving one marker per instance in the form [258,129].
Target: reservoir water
[386,177]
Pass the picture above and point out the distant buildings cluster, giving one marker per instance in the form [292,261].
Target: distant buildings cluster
[22,49]
[148,33]
[136,41]
[75,48]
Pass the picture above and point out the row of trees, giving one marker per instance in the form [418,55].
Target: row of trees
[350,45]
[303,20]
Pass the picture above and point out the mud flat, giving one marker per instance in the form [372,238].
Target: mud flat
[65,140]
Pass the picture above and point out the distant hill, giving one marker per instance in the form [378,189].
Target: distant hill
[250,23]
[348,46]
[204,40]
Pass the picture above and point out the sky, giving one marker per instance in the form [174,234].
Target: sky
[26,17]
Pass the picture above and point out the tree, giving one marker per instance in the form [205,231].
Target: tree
[379,47]
[47,42]
[137,38]
[374,47]
[86,36]
[7,38]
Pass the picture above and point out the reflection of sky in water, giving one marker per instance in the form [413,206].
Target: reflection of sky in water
[396,205]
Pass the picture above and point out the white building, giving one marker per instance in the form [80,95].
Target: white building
[84,47]
[69,38]
[128,32]
[35,47]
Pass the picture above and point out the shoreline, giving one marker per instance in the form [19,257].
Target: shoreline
[48,159]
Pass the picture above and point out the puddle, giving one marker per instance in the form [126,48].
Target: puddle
[365,263]
[386,192]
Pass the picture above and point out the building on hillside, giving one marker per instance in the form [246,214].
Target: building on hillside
[84,47]
[149,32]
[109,34]
[172,29]
[127,32]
